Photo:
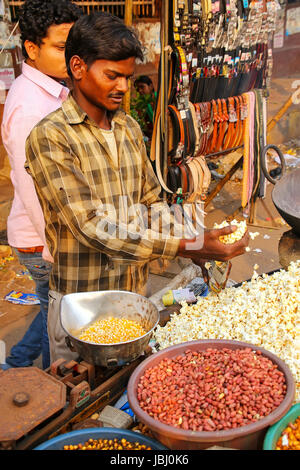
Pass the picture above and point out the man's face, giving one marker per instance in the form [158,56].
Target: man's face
[104,83]
[144,89]
[49,57]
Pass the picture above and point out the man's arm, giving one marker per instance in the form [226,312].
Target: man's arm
[60,181]
[200,249]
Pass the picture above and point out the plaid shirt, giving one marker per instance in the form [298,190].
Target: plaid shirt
[75,178]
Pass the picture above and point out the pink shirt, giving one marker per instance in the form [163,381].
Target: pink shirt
[31,97]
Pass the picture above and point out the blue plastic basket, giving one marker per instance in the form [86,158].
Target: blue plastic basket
[82,435]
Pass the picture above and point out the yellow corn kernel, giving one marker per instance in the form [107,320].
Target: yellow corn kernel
[112,330]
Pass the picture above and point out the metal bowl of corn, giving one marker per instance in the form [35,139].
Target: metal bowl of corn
[108,328]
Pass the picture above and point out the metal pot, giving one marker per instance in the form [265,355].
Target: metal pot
[286,191]
[78,311]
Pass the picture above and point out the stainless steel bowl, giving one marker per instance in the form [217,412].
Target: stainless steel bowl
[80,310]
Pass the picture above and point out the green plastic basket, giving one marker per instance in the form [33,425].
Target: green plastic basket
[274,432]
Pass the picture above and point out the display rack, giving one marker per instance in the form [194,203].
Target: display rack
[214,75]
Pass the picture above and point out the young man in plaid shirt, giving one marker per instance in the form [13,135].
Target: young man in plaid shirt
[89,164]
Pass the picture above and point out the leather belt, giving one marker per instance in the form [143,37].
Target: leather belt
[196,128]
[223,118]
[205,118]
[239,125]
[214,135]
[184,178]
[180,134]
[230,133]
[158,155]
[34,249]
[200,159]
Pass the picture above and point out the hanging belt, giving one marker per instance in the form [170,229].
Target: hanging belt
[196,128]
[178,134]
[205,113]
[230,133]
[158,156]
[184,178]
[191,133]
[237,127]
[198,176]
[214,135]
[244,114]
[174,178]
[223,119]
[247,183]
[200,159]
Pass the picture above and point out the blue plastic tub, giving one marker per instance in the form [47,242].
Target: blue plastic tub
[82,435]
[274,432]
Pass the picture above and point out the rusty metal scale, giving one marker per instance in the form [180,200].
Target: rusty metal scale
[37,405]
[28,397]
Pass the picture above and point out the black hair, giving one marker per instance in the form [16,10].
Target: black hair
[143,79]
[101,36]
[38,15]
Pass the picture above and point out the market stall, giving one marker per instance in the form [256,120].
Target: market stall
[220,370]
[249,323]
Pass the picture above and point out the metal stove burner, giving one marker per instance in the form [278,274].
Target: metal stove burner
[289,248]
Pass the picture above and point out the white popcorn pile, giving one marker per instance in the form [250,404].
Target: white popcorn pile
[235,236]
[263,312]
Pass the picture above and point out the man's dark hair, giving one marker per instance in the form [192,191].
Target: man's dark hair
[143,79]
[38,15]
[101,36]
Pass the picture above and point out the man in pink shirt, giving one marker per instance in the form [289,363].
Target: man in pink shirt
[38,91]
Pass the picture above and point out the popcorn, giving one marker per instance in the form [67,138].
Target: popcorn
[264,312]
[235,236]
[253,235]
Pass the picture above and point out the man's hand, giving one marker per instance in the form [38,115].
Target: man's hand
[213,248]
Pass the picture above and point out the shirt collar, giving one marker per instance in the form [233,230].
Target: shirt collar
[44,81]
[76,115]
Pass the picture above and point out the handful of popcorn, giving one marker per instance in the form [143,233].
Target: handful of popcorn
[235,236]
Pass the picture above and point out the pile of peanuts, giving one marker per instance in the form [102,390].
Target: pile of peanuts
[235,236]
[107,444]
[212,390]
[263,312]
[290,437]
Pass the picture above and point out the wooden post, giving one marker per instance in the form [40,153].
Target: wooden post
[279,115]
[128,22]
[128,12]
[224,180]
